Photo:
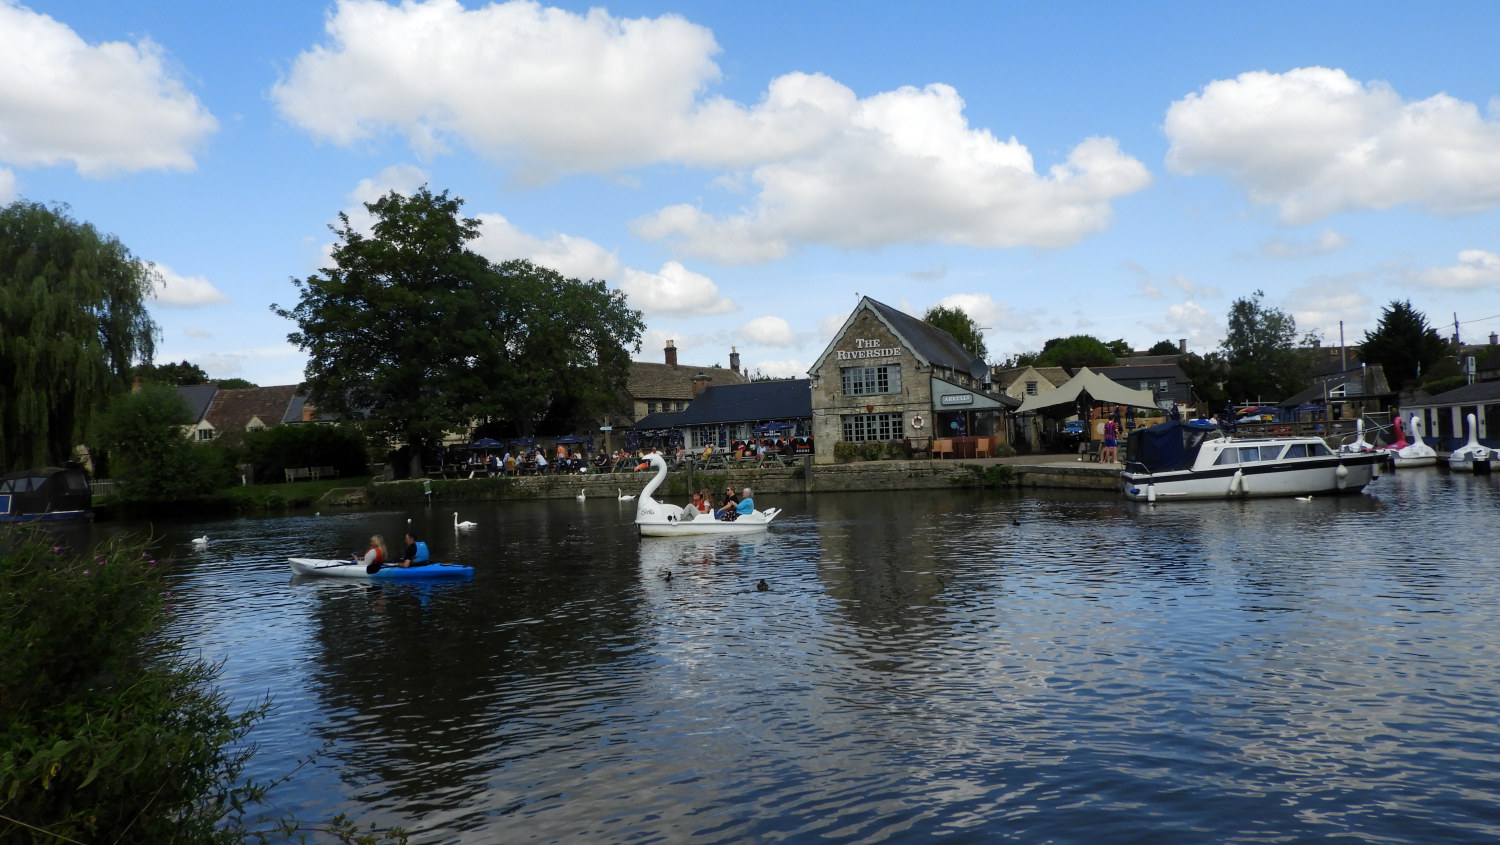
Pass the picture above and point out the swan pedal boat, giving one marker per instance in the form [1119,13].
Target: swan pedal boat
[354,569]
[1471,457]
[659,519]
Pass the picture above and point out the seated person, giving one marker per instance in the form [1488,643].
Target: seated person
[728,510]
[601,460]
[416,552]
[746,504]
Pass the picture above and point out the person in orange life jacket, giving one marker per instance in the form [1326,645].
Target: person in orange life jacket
[416,552]
[375,554]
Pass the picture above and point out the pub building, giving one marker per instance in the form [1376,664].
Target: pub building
[889,376]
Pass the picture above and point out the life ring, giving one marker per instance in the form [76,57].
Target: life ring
[917,422]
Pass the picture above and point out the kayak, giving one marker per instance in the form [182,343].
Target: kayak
[351,569]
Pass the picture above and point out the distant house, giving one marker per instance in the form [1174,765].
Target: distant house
[1166,380]
[218,412]
[1021,382]
[1344,394]
[1443,415]
[724,414]
[667,387]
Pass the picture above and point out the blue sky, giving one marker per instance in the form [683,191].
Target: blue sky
[746,171]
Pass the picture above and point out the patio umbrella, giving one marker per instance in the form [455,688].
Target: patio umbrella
[486,443]
[771,427]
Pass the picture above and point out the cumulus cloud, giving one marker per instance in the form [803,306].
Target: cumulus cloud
[571,92]
[7,186]
[783,368]
[1321,303]
[103,108]
[769,331]
[1314,142]
[1327,241]
[1476,269]
[905,167]
[181,291]
[558,92]
[575,257]
[1154,287]
[675,291]
[988,314]
[1189,320]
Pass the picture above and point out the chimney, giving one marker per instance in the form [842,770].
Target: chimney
[734,360]
[1182,345]
[671,351]
[1494,338]
[700,384]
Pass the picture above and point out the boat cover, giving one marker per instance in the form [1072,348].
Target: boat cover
[1170,445]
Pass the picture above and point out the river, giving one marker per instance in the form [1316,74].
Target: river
[980,666]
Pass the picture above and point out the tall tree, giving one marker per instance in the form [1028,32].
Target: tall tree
[1074,351]
[1260,350]
[1208,374]
[1403,345]
[180,373]
[1163,347]
[959,324]
[73,302]
[144,436]
[416,334]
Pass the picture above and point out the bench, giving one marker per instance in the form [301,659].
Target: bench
[297,474]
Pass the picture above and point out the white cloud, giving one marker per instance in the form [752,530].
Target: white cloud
[784,368]
[570,92]
[1189,320]
[905,167]
[1314,142]
[176,290]
[1321,303]
[199,333]
[769,331]
[1327,241]
[676,291]
[7,186]
[574,257]
[1152,287]
[104,108]
[988,314]
[1476,269]
[559,92]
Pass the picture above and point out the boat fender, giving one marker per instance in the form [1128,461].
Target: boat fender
[1151,493]
[1237,483]
[1341,476]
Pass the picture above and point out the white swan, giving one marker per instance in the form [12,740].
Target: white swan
[200,542]
[465,525]
[623,497]
[581,497]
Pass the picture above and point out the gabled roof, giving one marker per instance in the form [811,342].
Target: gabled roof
[1468,394]
[198,397]
[930,344]
[756,401]
[232,410]
[1123,372]
[1371,381]
[648,380]
[1099,388]
[1054,376]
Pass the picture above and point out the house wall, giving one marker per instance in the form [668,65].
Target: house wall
[868,343]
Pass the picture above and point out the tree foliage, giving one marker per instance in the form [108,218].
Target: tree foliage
[1403,345]
[959,324]
[1163,347]
[1074,351]
[416,334]
[1261,353]
[73,302]
[180,373]
[143,434]
[1208,374]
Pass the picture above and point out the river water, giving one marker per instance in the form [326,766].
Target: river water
[981,666]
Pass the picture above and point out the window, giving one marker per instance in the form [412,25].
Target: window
[862,427]
[1030,388]
[650,407]
[1145,384]
[205,434]
[863,381]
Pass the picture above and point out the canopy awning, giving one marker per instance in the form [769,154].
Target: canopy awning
[1099,389]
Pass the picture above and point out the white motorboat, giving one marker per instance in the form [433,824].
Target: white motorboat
[1471,457]
[1195,460]
[659,519]
[1416,453]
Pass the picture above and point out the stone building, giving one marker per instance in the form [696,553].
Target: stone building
[889,376]
[667,387]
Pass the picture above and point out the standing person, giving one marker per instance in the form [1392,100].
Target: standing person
[416,552]
[376,554]
[1111,451]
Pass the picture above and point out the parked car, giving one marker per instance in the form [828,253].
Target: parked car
[1073,433]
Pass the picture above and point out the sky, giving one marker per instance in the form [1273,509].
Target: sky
[744,172]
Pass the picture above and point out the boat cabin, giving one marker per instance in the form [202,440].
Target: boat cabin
[45,493]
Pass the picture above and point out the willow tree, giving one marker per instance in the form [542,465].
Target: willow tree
[415,334]
[73,305]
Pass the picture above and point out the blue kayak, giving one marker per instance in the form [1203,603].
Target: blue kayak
[352,569]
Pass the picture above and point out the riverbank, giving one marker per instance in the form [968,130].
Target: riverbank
[1058,471]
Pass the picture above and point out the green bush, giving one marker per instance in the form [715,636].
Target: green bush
[273,450]
[872,450]
[899,449]
[108,731]
[845,452]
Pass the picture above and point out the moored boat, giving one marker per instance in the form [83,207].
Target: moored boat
[1195,460]
[1471,457]
[390,572]
[659,519]
[45,493]
[1417,453]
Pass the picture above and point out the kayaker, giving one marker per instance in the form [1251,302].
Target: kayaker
[416,552]
[375,554]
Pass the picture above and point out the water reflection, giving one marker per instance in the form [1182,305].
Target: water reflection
[976,665]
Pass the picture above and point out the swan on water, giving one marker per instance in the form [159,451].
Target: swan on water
[623,496]
[201,541]
[463,525]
